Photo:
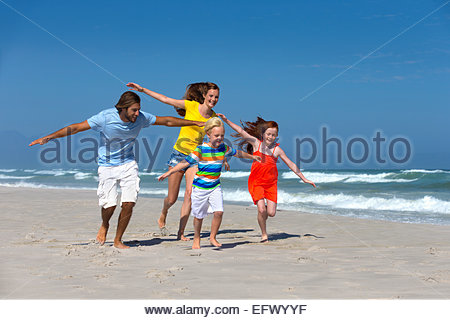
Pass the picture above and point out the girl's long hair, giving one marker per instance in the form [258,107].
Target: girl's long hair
[255,129]
[196,92]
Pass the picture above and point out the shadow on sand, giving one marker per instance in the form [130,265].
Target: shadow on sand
[205,235]
[148,243]
[284,235]
[131,243]
[226,231]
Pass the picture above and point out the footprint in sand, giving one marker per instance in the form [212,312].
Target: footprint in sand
[163,275]
[33,238]
[432,280]
[101,276]
[317,249]
[305,260]
[185,290]
[440,276]
[63,277]
[195,254]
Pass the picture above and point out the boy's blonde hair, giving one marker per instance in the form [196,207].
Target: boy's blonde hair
[212,123]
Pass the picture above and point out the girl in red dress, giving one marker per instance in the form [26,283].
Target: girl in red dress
[259,138]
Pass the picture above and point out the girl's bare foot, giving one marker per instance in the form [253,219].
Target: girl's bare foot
[101,235]
[215,243]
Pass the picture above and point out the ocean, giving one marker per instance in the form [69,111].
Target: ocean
[409,196]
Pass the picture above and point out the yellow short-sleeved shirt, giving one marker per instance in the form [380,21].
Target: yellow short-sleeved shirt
[190,137]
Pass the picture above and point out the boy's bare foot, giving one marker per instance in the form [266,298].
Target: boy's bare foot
[101,235]
[120,245]
[196,244]
[215,243]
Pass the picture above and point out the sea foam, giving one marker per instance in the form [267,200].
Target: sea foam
[342,201]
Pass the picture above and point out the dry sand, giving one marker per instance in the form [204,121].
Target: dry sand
[48,251]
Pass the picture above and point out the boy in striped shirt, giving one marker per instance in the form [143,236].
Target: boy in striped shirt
[206,190]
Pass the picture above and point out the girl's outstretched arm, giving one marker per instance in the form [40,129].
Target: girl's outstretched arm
[239,130]
[280,153]
[180,166]
[160,97]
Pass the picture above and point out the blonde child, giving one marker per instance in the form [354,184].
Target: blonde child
[259,138]
[206,190]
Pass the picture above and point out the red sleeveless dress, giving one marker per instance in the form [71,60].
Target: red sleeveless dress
[262,182]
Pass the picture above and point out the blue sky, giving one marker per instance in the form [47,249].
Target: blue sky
[269,58]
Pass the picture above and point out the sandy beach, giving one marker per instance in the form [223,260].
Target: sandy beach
[48,252]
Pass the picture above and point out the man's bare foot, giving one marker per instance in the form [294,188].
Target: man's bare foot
[196,244]
[215,243]
[120,245]
[182,237]
[101,235]
[264,239]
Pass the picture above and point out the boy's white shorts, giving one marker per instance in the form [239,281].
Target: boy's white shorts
[205,202]
[124,175]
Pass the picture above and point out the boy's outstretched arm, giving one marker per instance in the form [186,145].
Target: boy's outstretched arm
[66,131]
[160,97]
[176,122]
[180,166]
[293,166]
[245,155]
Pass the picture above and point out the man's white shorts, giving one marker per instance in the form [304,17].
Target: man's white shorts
[125,175]
[202,200]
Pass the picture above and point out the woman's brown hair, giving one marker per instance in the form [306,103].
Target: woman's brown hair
[196,92]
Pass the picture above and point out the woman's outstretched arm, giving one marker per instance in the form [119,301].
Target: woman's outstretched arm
[158,96]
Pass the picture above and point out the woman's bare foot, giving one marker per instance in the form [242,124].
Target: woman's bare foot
[101,235]
[162,221]
[215,243]
[120,245]
[196,244]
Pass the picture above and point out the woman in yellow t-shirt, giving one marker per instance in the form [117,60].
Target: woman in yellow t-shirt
[197,105]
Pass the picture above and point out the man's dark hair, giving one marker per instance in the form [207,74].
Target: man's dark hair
[127,99]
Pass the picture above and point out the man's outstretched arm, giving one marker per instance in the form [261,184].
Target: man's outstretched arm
[176,122]
[64,132]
